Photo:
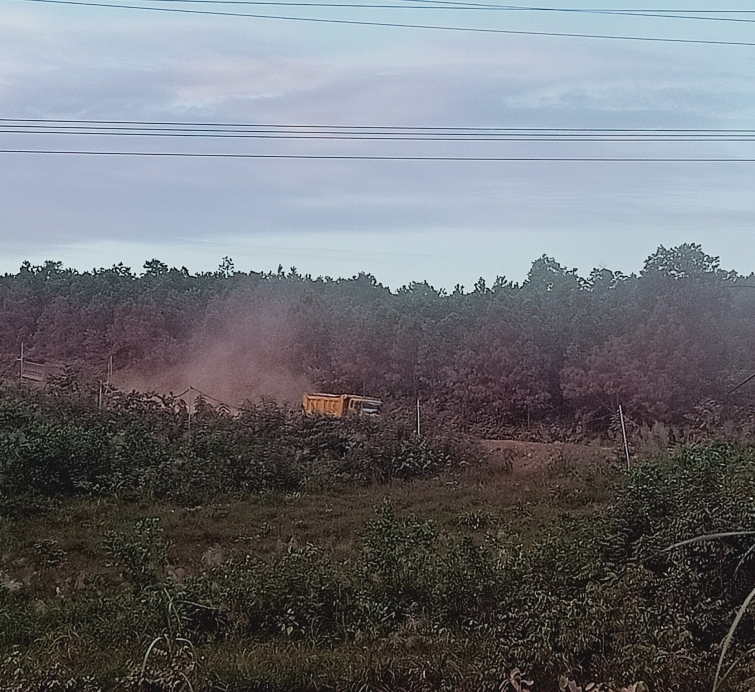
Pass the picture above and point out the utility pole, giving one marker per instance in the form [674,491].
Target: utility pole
[418,421]
[22,360]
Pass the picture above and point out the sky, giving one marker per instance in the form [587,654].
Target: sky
[444,221]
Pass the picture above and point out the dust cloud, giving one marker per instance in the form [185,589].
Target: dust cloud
[241,352]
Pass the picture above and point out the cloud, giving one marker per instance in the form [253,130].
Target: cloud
[93,64]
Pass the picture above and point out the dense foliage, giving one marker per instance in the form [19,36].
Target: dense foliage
[57,443]
[594,596]
[667,343]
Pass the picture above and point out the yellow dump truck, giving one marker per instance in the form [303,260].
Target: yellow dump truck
[340,405]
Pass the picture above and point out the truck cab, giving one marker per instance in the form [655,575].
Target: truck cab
[364,406]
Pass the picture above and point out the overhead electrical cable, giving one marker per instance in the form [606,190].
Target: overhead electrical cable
[353,126]
[463,4]
[47,128]
[435,5]
[75,121]
[402,25]
[122,128]
[395,137]
[373,157]
[692,14]
[541,8]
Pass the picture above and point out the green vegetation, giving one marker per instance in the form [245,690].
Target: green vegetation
[270,551]
[57,444]
[144,547]
[554,355]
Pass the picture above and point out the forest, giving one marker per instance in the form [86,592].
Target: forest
[552,357]
[230,542]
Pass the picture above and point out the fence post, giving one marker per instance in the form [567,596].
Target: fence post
[624,435]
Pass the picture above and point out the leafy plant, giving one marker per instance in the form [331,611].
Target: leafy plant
[142,555]
[726,643]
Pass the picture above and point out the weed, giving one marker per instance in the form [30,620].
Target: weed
[142,554]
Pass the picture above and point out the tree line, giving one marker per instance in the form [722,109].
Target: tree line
[668,343]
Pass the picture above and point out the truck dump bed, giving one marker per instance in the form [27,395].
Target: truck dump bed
[341,404]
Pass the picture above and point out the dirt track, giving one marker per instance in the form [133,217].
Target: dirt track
[529,456]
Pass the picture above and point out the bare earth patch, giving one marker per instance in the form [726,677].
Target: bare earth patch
[519,456]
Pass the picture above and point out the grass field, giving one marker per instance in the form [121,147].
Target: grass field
[531,559]
[522,488]
[56,556]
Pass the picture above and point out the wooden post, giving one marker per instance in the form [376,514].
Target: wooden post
[188,408]
[624,434]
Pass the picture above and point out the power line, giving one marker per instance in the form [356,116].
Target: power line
[434,5]
[438,4]
[371,157]
[540,8]
[373,133]
[208,124]
[630,12]
[52,127]
[435,27]
[393,137]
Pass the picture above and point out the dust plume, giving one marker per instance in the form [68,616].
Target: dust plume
[242,351]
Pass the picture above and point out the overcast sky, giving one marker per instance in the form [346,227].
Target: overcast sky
[447,222]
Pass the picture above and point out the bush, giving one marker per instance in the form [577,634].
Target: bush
[141,447]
